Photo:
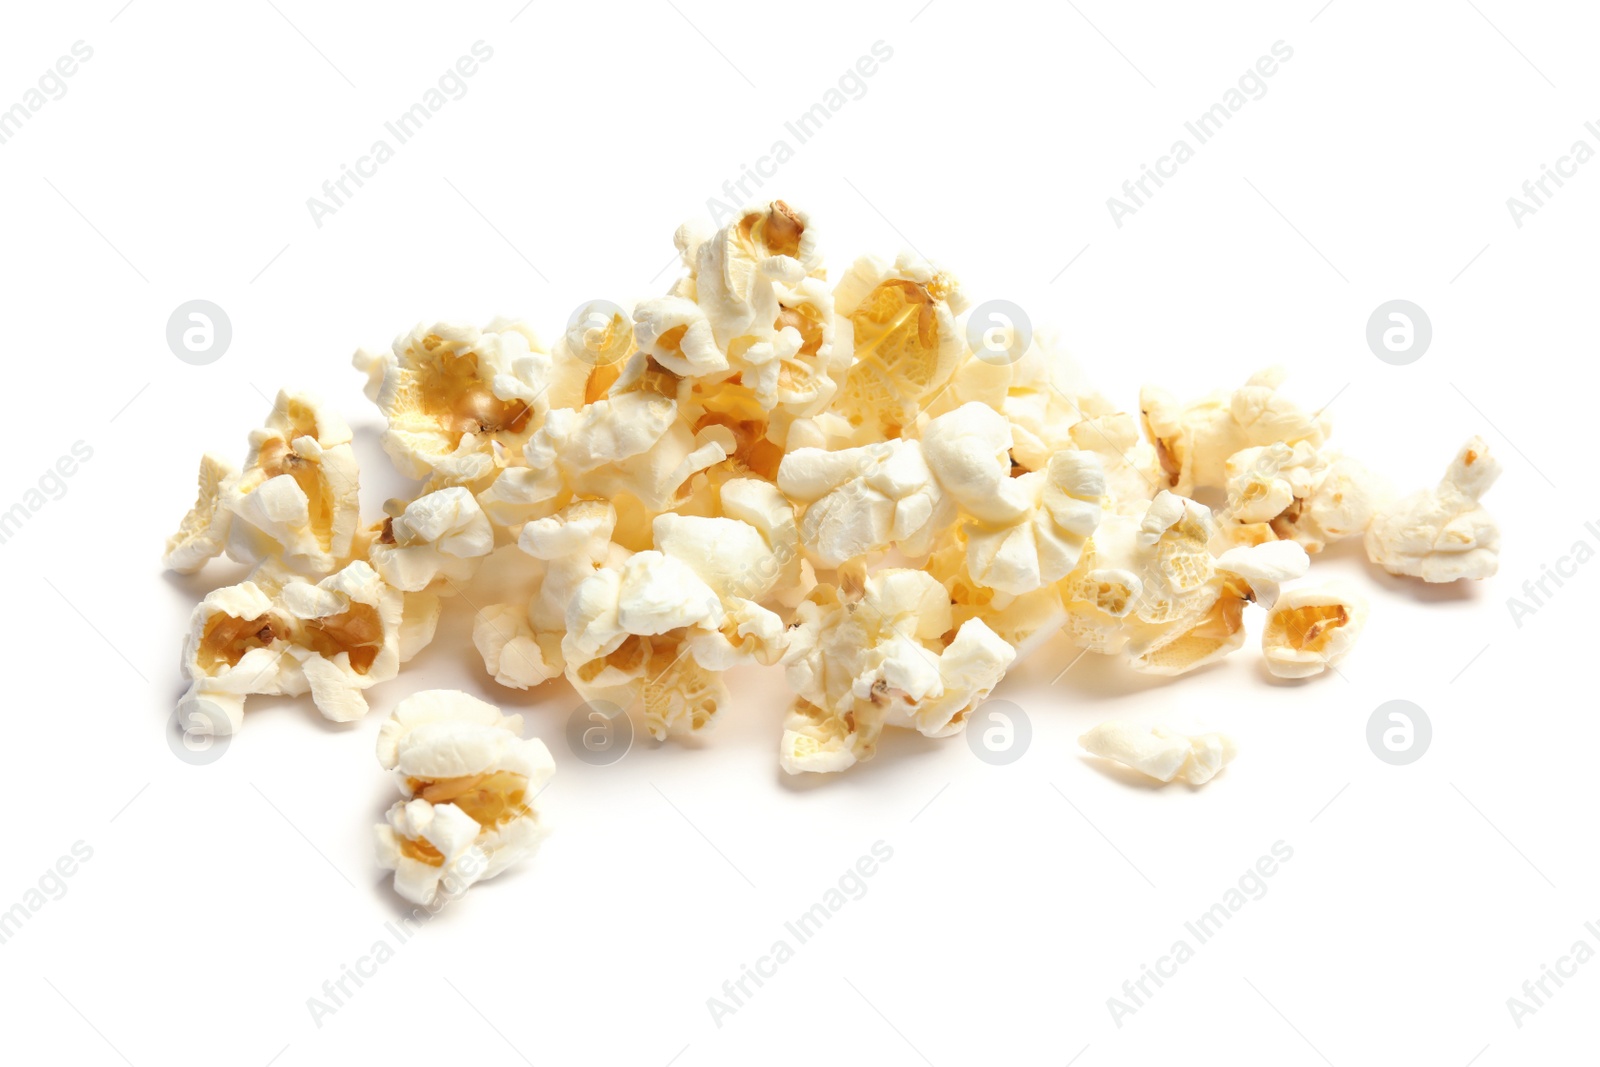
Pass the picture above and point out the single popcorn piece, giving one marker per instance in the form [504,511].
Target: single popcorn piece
[887,656]
[1442,534]
[295,501]
[865,499]
[451,393]
[1162,752]
[1297,493]
[1194,441]
[655,629]
[904,337]
[470,781]
[1029,529]
[279,634]
[441,535]
[1311,629]
[590,355]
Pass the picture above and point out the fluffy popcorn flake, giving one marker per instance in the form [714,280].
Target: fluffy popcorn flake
[452,392]
[1312,629]
[1445,533]
[438,536]
[280,634]
[469,780]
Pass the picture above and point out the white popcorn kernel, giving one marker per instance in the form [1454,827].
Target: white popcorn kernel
[1150,590]
[510,649]
[1311,629]
[1043,544]
[885,657]
[633,443]
[658,593]
[729,555]
[1193,441]
[441,535]
[736,272]
[676,334]
[969,451]
[904,339]
[590,355]
[295,501]
[865,499]
[470,780]
[279,634]
[1297,493]
[1442,534]
[204,531]
[450,392]
[1162,752]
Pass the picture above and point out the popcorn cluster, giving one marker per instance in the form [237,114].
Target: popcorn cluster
[761,466]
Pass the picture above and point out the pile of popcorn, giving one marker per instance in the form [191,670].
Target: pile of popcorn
[848,479]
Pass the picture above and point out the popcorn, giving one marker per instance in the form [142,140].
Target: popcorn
[760,466]
[886,657]
[204,532]
[906,344]
[1442,534]
[470,781]
[1153,593]
[439,536]
[1297,493]
[452,392]
[1194,441]
[279,634]
[295,501]
[1162,752]
[865,500]
[1311,629]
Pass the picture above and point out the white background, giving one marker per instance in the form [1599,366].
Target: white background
[1019,898]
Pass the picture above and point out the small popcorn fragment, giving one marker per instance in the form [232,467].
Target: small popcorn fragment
[295,501]
[1311,629]
[1442,534]
[887,655]
[470,781]
[440,536]
[1161,752]
[452,392]
[279,634]
[904,339]
[1193,441]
